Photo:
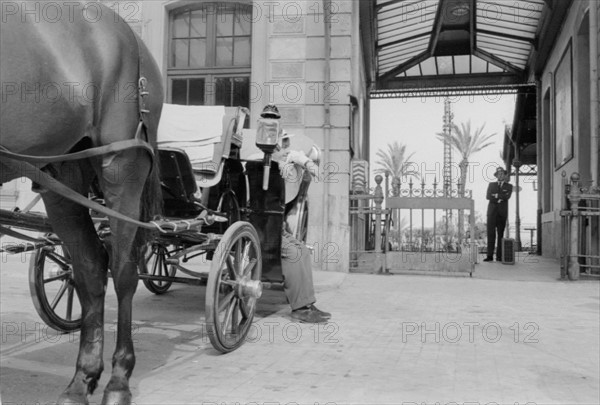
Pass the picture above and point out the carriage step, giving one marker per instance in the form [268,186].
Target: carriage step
[22,247]
[201,281]
[33,221]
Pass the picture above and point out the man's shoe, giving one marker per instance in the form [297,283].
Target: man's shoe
[307,316]
[324,314]
[488,259]
[310,314]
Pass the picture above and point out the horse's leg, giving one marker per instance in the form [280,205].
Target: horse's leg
[73,225]
[122,181]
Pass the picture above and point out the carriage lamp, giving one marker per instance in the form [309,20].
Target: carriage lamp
[267,135]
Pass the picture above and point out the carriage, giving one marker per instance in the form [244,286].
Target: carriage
[219,228]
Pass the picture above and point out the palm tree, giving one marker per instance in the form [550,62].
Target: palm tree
[467,142]
[395,163]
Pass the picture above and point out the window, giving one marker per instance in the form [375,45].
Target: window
[209,54]
[563,109]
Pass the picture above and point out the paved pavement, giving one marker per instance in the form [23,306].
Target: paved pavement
[509,335]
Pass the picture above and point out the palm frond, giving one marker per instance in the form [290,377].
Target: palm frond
[395,161]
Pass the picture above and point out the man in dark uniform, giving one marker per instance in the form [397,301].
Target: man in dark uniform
[295,256]
[498,194]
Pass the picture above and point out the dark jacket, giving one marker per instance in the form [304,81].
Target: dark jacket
[498,206]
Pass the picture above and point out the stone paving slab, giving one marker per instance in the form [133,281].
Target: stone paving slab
[403,339]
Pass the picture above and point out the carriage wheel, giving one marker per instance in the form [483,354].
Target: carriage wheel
[53,289]
[153,262]
[233,287]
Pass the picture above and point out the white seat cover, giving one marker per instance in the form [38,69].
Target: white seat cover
[194,129]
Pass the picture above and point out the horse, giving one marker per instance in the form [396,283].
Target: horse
[70,79]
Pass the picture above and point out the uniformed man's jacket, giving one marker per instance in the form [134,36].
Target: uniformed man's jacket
[498,205]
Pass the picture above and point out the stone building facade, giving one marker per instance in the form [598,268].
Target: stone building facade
[568,137]
[305,56]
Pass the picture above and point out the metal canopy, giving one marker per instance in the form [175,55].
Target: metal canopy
[521,144]
[416,48]
[479,44]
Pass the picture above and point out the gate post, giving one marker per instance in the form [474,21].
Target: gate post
[379,256]
[573,269]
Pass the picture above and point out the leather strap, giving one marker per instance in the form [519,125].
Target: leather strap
[51,184]
[84,154]
[57,187]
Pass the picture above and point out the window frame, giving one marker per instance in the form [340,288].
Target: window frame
[209,80]
[563,117]
[210,72]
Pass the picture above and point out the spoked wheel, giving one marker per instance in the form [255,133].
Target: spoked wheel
[53,289]
[154,262]
[233,287]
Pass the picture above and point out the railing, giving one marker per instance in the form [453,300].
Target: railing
[368,221]
[580,230]
[437,199]
[405,243]
[432,240]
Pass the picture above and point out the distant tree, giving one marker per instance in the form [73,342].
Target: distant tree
[467,142]
[395,162]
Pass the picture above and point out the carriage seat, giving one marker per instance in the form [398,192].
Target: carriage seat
[205,133]
[178,184]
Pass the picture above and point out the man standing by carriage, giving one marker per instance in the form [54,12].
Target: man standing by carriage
[298,281]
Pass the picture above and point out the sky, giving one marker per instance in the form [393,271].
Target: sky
[415,122]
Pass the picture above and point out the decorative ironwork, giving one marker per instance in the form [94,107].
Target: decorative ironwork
[450,91]
[527,170]
[448,118]
[412,189]
[411,222]
[434,192]
[580,217]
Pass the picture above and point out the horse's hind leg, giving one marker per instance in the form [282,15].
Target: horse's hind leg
[73,225]
[122,181]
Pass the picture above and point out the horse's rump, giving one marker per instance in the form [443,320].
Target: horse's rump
[74,82]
